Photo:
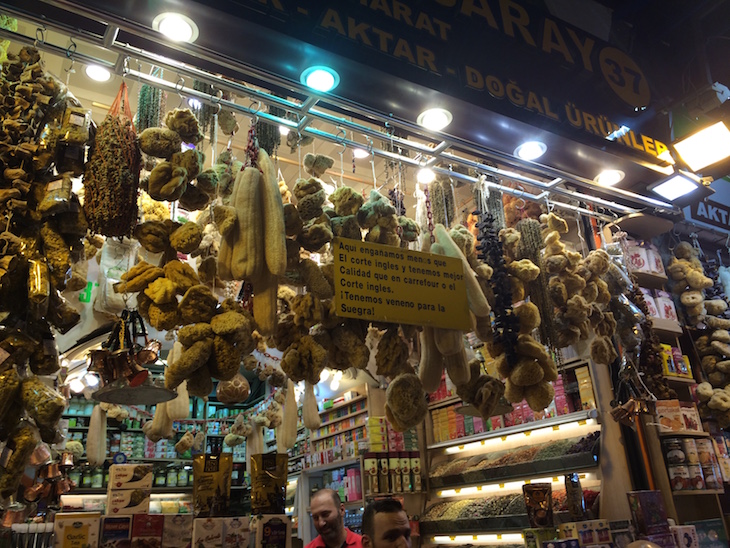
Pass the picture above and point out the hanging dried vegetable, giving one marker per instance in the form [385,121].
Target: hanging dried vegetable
[442,197]
[268,134]
[529,247]
[111,177]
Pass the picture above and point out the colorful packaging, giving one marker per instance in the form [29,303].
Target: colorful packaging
[116,532]
[236,532]
[212,483]
[679,477]
[669,416]
[710,533]
[273,531]
[696,477]
[648,512]
[690,417]
[126,502]
[681,363]
[177,531]
[130,476]
[208,532]
[147,530]
[685,536]
[667,360]
[650,304]
[535,537]
[538,499]
[76,530]
[674,451]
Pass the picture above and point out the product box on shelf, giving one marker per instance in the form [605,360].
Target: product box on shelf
[272,531]
[535,537]
[177,531]
[130,476]
[665,305]
[650,304]
[710,533]
[74,529]
[621,533]
[685,536]
[648,512]
[208,532]
[116,531]
[681,363]
[595,531]
[127,502]
[690,417]
[565,543]
[663,540]
[585,387]
[236,532]
[147,529]
[669,416]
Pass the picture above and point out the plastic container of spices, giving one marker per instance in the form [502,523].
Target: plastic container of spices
[182,477]
[172,477]
[97,478]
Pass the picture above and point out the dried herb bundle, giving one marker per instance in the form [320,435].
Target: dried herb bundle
[111,177]
[442,197]
[149,105]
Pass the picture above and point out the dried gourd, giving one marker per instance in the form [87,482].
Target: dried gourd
[432,362]
[178,408]
[310,414]
[286,433]
[96,439]
[273,208]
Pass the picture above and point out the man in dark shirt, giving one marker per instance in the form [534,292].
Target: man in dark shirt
[328,514]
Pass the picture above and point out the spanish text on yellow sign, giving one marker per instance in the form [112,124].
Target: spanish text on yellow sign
[385,283]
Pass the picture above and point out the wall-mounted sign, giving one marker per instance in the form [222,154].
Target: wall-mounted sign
[385,283]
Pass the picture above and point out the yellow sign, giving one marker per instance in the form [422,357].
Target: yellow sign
[391,284]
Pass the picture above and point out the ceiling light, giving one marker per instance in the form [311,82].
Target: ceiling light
[609,177]
[176,26]
[195,103]
[434,119]
[706,147]
[283,130]
[91,380]
[77,385]
[335,384]
[425,175]
[531,150]
[676,186]
[320,78]
[360,153]
[324,375]
[98,73]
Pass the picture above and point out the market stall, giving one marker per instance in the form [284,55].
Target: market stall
[218,297]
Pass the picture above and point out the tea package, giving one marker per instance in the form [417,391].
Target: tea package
[268,483]
[212,483]
[57,198]
[42,403]
[538,499]
[39,287]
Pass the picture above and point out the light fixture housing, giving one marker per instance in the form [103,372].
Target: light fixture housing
[705,147]
[609,177]
[530,150]
[682,189]
[176,26]
[435,119]
[425,175]
[98,73]
[360,153]
[320,78]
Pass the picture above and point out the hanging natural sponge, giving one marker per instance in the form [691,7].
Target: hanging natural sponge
[346,201]
[316,165]
[184,122]
[405,402]
[159,142]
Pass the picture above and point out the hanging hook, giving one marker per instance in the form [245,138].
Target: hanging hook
[70,53]
[40,36]
[217,101]
[179,86]
[255,112]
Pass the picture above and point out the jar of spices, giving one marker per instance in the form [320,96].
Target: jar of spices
[172,477]
[75,476]
[85,477]
[182,477]
[97,478]
[160,478]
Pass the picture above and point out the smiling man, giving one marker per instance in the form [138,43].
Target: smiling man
[328,514]
[385,525]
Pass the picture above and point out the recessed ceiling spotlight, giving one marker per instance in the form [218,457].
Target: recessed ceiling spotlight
[434,119]
[98,73]
[320,78]
[360,153]
[283,130]
[609,177]
[530,150]
[77,386]
[706,147]
[176,26]
[425,175]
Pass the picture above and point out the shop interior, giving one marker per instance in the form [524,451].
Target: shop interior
[574,375]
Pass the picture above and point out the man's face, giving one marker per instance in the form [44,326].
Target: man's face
[327,517]
[391,530]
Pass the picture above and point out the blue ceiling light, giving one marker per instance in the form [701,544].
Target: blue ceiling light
[320,78]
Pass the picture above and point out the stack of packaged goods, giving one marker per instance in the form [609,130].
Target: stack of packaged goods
[129,489]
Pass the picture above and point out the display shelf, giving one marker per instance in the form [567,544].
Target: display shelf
[341,431]
[578,462]
[332,465]
[155,490]
[444,402]
[343,404]
[355,414]
[160,459]
[685,434]
[650,280]
[388,495]
[698,492]
[518,429]
[679,380]
[662,326]
[516,522]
